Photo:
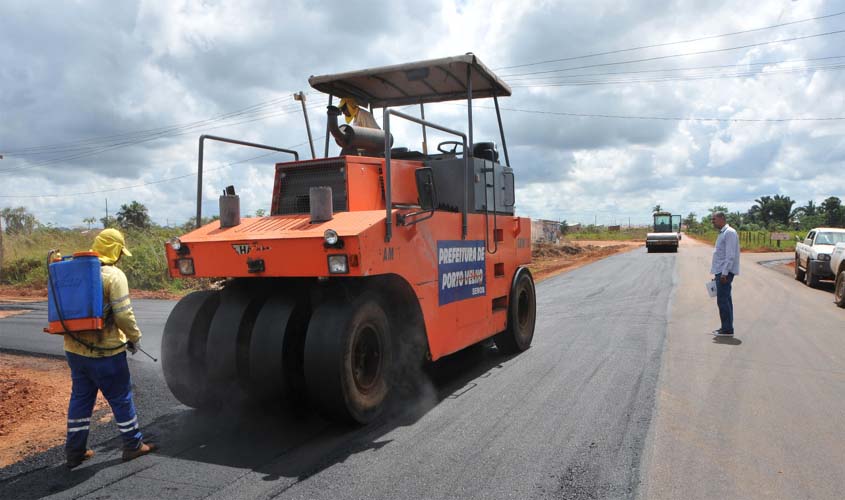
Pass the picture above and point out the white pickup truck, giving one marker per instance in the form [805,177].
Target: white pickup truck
[812,256]
[837,265]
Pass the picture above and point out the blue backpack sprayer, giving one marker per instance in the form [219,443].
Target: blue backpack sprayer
[75,297]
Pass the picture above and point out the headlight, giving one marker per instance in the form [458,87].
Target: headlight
[186,266]
[331,237]
[338,264]
[175,243]
[823,257]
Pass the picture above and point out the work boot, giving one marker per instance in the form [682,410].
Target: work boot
[138,452]
[75,461]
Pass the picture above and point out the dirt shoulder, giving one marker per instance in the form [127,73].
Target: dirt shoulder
[553,259]
[34,394]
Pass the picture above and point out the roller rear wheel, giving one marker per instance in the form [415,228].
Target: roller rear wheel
[522,314]
[183,348]
[348,357]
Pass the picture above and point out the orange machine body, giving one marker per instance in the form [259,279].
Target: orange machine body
[291,246]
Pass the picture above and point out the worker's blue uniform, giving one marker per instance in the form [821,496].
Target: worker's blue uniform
[111,376]
[104,368]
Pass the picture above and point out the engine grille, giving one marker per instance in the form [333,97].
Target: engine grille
[294,181]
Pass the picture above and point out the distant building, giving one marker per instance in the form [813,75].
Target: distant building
[614,228]
[545,230]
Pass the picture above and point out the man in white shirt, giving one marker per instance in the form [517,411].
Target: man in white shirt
[725,266]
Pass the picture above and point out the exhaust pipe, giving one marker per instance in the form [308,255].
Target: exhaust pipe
[354,139]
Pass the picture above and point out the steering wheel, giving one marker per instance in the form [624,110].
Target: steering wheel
[455,144]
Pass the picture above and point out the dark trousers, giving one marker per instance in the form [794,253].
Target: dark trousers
[110,375]
[726,305]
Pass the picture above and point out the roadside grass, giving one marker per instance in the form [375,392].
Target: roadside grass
[24,257]
[754,241]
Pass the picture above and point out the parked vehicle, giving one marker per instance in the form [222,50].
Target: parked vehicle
[812,256]
[837,265]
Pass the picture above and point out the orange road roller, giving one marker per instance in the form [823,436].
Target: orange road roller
[368,265]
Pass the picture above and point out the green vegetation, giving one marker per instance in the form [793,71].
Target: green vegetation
[26,244]
[25,256]
[758,241]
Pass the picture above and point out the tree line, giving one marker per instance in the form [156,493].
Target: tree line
[133,215]
[776,213]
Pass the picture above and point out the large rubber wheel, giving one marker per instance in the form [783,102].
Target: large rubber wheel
[810,277]
[839,290]
[348,357]
[276,350]
[799,274]
[183,346]
[522,314]
[227,351]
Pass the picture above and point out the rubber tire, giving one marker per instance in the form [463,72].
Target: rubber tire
[227,351]
[810,279]
[183,345]
[799,274]
[275,357]
[839,290]
[335,325]
[522,315]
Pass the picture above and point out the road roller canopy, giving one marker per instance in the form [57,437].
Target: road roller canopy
[434,80]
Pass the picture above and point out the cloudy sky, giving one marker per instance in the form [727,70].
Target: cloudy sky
[105,100]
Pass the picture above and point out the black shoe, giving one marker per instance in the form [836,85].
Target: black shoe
[76,461]
[722,333]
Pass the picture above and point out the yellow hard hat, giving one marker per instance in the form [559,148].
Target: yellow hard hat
[109,244]
[351,106]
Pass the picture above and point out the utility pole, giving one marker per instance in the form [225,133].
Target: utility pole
[300,96]
[105,224]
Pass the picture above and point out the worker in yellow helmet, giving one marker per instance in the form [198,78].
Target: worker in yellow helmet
[97,360]
[358,116]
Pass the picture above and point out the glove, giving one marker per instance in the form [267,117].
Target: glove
[133,347]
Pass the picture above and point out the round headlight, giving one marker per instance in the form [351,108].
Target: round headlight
[330,236]
[175,243]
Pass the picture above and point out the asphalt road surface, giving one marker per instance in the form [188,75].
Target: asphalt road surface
[623,394]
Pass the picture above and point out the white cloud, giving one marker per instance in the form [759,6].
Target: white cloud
[71,72]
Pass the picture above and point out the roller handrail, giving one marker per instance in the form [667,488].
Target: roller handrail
[387,186]
[230,141]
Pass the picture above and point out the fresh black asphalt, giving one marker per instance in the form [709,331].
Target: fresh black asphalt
[566,419]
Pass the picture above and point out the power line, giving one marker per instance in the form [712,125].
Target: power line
[667,118]
[684,54]
[231,114]
[711,37]
[150,183]
[774,72]
[105,148]
[690,68]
